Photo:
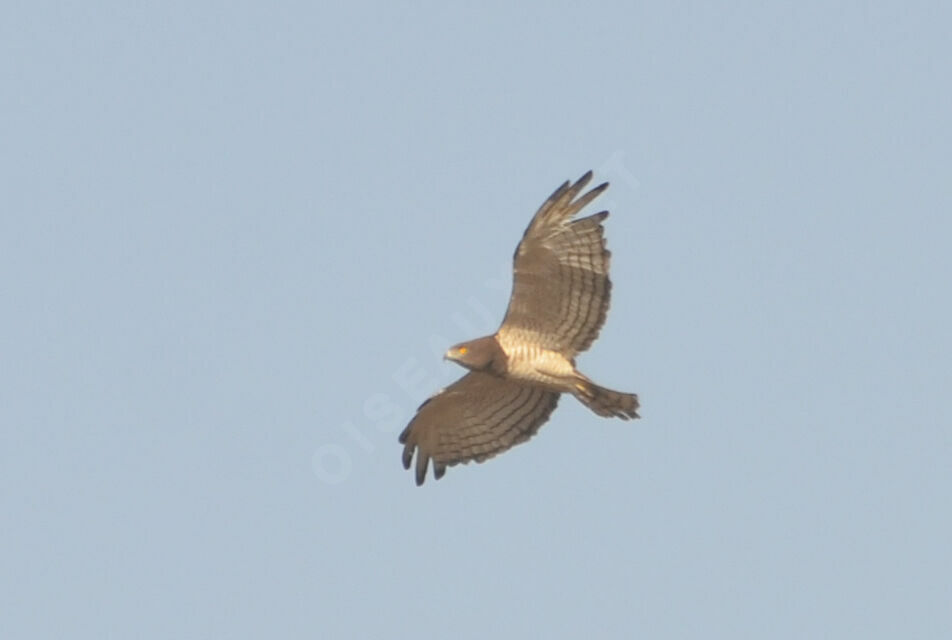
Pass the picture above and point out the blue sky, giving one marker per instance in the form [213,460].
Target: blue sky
[235,240]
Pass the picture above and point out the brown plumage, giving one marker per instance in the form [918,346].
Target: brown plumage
[560,296]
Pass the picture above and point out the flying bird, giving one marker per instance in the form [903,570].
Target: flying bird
[560,296]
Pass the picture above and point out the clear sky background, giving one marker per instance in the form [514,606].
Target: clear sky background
[235,239]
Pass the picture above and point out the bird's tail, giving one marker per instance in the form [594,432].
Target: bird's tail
[606,402]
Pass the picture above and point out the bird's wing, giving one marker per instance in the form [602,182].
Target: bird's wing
[561,289]
[474,418]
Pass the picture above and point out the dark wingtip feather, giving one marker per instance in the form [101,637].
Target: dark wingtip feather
[594,192]
[439,469]
[407,456]
[421,463]
[558,192]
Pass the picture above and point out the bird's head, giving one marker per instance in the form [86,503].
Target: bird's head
[475,354]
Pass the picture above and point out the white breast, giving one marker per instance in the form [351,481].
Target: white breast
[530,362]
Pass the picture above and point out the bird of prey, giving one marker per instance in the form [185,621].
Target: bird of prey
[560,296]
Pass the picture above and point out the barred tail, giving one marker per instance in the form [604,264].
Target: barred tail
[606,402]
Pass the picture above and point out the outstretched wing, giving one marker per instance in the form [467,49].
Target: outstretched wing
[561,290]
[474,418]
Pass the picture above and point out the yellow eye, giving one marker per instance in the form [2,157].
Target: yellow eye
[463,350]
